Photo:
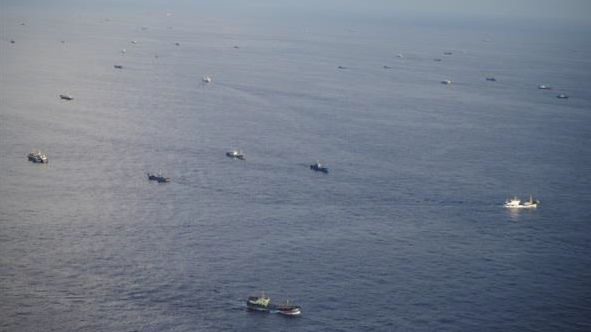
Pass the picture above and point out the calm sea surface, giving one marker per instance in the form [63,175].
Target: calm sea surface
[406,233]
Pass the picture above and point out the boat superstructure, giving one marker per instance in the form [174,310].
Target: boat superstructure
[515,203]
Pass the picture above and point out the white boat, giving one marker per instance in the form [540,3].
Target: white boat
[562,96]
[400,55]
[206,79]
[544,87]
[134,41]
[448,82]
[515,203]
[123,51]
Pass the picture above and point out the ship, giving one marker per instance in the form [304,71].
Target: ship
[342,67]
[544,87]
[263,303]
[562,96]
[235,154]
[447,82]
[158,177]
[319,167]
[515,203]
[492,79]
[118,66]
[206,79]
[37,157]
[66,97]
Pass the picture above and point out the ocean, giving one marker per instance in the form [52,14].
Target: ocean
[407,232]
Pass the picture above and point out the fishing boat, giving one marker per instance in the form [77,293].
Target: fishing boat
[562,96]
[447,82]
[206,79]
[515,203]
[263,303]
[118,66]
[158,177]
[236,154]
[66,97]
[37,157]
[319,167]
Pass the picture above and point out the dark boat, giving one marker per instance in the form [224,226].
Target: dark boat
[158,177]
[318,167]
[262,303]
[387,67]
[118,66]
[66,97]
[236,154]
[342,67]
[37,157]
[437,60]
[562,96]
[447,53]
[492,79]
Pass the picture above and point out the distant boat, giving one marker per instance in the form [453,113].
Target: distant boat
[37,157]
[134,41]
[387,67]
[236,154]
[177,44]
[544,87]
[236,46]
[400,55]
[12,42]
[515,203]
[319,167]
[342,67]
[263,303]
[448,82]
[123,51]
[118,66]
[66,97]
[492,79]
[158,177]
[206,79]
[447,53]
[562,96]
[437,60]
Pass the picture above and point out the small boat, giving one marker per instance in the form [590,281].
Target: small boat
[448,82]
[387,67]
[263,303]
[177,44]
[447,53]
[66,97]
[123,51]
[12,42]
[515,203]
[437,60]
[236,154]
[318,167]
[134,41]
[492,79]
[236,46]
[544,87]
[562,96]
[158,177]
[118,66]
[342,67]
[400,55]
[206,79]
[37,157]
[288,309]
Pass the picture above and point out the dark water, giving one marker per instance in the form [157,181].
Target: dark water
[407,232]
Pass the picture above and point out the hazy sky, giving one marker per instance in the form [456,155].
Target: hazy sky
[575,11]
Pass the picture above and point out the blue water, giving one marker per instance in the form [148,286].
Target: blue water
[406,233]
